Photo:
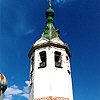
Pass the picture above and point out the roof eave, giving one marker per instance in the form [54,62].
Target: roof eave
[49,44]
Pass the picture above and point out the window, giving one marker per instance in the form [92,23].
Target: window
[43,59]
[69,71]
[67,58]
[58,59]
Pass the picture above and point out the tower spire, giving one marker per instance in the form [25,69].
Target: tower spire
[50,3]
[50,13]
[49,30]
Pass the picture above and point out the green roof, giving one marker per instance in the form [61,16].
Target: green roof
[50,10]
[49,30]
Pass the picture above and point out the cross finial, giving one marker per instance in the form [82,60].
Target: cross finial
[49,3]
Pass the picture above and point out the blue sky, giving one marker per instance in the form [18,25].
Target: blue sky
[21,24]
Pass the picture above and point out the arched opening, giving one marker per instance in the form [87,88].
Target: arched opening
[58,59]
[43,59]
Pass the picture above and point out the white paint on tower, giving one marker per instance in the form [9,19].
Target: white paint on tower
[51,80]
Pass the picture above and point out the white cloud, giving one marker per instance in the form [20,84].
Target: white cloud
[8,97]
[27,82]
[26,89]
[25,95]
[11,91]
[14,90]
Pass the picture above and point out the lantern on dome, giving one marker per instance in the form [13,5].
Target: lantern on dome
[3,84]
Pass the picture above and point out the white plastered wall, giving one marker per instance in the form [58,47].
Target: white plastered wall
[52,81]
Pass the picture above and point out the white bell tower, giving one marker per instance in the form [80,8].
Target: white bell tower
[50,74]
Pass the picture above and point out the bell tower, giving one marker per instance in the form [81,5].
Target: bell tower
[50,74]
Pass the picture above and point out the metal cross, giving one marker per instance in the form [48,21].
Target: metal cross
[50,3]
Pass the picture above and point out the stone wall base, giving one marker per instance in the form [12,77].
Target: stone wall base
[52,98]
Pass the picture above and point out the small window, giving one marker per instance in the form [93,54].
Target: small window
[69,72]
[66,57]
[58,59]
[43,59]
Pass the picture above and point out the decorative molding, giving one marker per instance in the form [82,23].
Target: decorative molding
[52,98]
[49,44]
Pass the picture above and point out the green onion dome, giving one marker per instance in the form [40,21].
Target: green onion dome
[50,15]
